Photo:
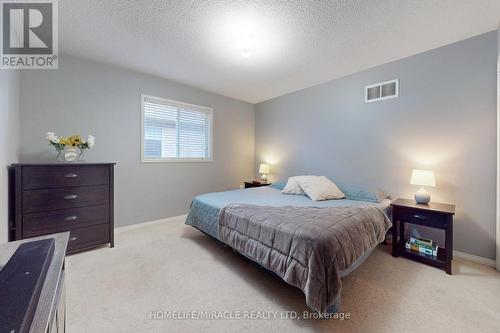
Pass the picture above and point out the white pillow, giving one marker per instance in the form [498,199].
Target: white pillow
[292,186]
[320,188]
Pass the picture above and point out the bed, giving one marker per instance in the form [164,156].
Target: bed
[206,209]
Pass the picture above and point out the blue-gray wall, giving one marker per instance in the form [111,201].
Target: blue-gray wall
[9,137]
[444,119]
[498,148]
[86,97]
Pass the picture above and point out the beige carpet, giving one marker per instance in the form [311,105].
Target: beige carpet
[171,267]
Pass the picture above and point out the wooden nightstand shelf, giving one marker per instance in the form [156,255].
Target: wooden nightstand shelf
[433,215]
[255,184]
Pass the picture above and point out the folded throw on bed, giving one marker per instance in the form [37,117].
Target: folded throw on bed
[308,247]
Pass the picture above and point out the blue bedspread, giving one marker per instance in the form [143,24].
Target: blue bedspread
[204,211]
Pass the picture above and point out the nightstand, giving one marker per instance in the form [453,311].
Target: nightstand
[433,215]
[255,184]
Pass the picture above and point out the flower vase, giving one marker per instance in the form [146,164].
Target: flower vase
[71,154]
[81,156]
[59,156]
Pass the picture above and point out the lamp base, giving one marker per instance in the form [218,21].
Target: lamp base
[263,178]
[422,196]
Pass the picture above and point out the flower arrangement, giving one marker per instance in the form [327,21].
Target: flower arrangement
[70,143]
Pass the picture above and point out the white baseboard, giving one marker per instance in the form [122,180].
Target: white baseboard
[143,224]
[474,258]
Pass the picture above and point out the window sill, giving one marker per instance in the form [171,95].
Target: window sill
[177,160]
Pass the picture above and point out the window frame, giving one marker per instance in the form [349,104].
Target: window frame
[208,110]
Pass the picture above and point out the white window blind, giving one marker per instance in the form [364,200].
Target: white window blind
[175,131]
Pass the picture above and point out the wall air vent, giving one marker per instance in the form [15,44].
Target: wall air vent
[383,90]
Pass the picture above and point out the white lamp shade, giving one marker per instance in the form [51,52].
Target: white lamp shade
[264,168]
[423,178]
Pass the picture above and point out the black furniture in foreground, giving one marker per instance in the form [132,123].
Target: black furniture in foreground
[21,282]
[58,197]
[32,297]
[433,215]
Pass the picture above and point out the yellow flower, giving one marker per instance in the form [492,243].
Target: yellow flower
[73,140]
[63,141]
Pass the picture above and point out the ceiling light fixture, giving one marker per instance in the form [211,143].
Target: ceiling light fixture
[247,53]
[247,45]
[244,37]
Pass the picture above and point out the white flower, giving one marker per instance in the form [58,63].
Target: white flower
[52,137]
[91,141]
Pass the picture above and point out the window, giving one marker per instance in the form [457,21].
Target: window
[175,131]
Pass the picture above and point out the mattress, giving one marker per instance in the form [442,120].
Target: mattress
[204,211]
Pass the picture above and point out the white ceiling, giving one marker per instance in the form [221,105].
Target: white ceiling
[297,43]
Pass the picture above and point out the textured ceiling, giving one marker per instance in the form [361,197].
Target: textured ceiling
[296,44]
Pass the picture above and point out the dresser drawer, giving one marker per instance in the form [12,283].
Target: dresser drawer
[65,175]
[426,218]
[55,221]
[88,236]
[65,197]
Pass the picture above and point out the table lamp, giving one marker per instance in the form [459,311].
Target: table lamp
[264,170]
[422,178]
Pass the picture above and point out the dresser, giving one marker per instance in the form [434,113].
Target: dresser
[52,198]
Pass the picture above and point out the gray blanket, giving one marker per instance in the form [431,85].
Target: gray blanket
[308,247]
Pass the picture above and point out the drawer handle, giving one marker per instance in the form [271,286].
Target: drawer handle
[72,238]
[70,197]
[71,218]
[419,217]
[70,175]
